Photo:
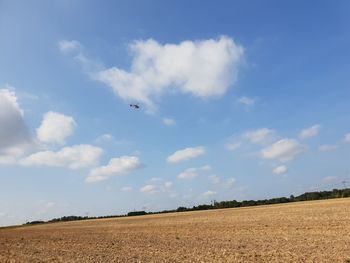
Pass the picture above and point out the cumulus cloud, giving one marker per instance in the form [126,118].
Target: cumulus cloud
[156,179]
[347,137]
[246,101]
[233,146]
[260,136]
[115,167]
[168,184]
[149,189]
[192,173]
[108,139]
[327,147]
[169,122]
[279,170]
[310,132]
[157,185]
[55,128]
[214,179]
[329,179]
[209,193]
[230,182]
[188,174]
[50,205]
[126,189]
[186,154]
[74,157]
[66,46]
[15,137]
[75,49]
[283,150]
[104,138]
[204,69]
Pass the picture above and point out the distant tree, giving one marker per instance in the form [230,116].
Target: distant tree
[181,209]
[136,213]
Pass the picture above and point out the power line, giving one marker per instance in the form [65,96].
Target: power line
[344,183]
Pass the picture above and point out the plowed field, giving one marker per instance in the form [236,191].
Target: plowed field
[317,231]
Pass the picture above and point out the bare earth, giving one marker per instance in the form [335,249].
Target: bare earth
[317,231]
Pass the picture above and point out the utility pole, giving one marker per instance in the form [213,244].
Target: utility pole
[344,184]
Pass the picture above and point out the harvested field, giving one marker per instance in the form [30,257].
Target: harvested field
[316,231]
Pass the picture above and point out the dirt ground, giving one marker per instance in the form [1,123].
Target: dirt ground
[317,231]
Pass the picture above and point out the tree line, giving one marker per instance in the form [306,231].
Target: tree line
[308,196]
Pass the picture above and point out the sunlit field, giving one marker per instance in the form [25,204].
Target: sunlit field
[315,231]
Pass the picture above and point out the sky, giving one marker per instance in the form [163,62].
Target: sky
[238,100]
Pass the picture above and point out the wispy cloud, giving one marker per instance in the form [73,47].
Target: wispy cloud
[246,101]
[126,189]
[310,132]
[192,173]
[347,137]
[66,46]
[169,122]
[233,146]
[149,189]
[327,147]
[186,154]
[279,170]
[209,193]
[260,136]
[283,150]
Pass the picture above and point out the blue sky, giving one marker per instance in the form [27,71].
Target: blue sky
[239,100]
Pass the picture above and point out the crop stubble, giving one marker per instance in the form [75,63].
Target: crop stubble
[316,231]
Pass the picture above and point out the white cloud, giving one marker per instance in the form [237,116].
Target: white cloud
[188,174]
[115,167]
[233,146]
[3,214]
[310,132]
[205,168]
[246,101]
[192,173]
[260,136]
[66,46]
[126,189]
[55,128]
[214,179]
[327,147]
[329,179]
[157,186]
[169,121]
[156,179]
[230,182]
[168,184]
[347,137]
[104,138]
[14,135]
[209,193]
[76,50]
[279,170]
[74,157]
[50,205]
[283,150]
[204,69]
[149,189]
[186,154]
[108,139]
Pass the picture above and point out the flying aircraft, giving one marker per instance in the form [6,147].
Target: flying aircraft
[135,106]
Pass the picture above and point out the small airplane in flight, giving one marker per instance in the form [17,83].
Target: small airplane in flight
[136,106]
